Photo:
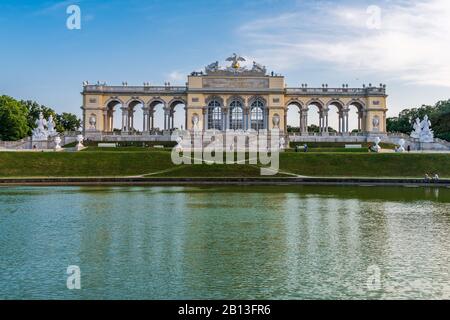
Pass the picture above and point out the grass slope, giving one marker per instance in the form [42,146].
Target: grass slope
[158,163]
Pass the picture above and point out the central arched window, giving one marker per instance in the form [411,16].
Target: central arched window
[215,115]
[257,115]
[236,115]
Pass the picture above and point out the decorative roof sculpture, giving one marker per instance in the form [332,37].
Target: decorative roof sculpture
[235,68]
[235,59]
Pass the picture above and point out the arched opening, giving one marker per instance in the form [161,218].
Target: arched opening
[257,118]
[113,116]
[294,117]
[236,115]
[177,118]
[156,114]
[335,116]
[135,116]
[316,121]
[355,117]
[215,120]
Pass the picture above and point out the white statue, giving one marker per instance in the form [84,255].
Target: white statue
[51,126]
[179,146]
[417,129]
[80,140]
[401,144]
[213,67]
[282,143]
[258,68]
[195,122]
[92,122]
[426,134]
[422,130]
[40,133]
[58,143]
[376,147]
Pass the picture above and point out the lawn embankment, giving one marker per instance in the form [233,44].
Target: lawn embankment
[366,164]
[159,164]
[83,164]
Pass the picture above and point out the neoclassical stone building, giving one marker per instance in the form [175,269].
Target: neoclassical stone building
[231,98]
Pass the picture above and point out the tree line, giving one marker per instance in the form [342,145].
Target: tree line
[439,115]
[18,118]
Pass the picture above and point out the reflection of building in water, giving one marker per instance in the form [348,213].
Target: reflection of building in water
[231,98]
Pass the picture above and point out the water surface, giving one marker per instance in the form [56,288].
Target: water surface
[310,242]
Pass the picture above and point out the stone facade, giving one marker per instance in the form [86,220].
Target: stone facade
[232,98]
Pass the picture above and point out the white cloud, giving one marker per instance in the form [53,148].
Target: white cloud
[176,76]
[412,45]
[56,6]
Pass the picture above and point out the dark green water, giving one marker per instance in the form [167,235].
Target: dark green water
[225,242]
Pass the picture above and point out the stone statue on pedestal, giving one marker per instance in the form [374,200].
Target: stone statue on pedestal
[80,140]
[282,143]
[40,133]
[51,126]
[401,145]
[417,129]
[427,134]
[179,146]
[422,130]
[376,147]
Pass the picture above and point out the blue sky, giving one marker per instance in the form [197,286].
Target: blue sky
[310,42]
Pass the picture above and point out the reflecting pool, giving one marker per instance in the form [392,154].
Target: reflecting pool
[283,242]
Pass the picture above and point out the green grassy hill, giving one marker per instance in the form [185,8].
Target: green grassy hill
[133,162]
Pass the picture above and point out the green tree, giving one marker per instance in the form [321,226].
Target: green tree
[439,115]
[13,119]
[64,122]
[67,122]
[33,111]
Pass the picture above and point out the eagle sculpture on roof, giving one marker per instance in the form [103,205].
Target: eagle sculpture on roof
[235,61]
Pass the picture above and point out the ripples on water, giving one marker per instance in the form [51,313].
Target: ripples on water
[225,242]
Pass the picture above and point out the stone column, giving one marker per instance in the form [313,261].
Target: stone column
[326,120]
[124,117]
[205,119]
[359,120]
[225,119]
[186,117]
[105,120]
[111,120]
[320,121]
[165,119]
[145,120]
[152,120]
[345,121]
[300,123]
[304,113]
[173,119]
[131,119]
[247,118]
